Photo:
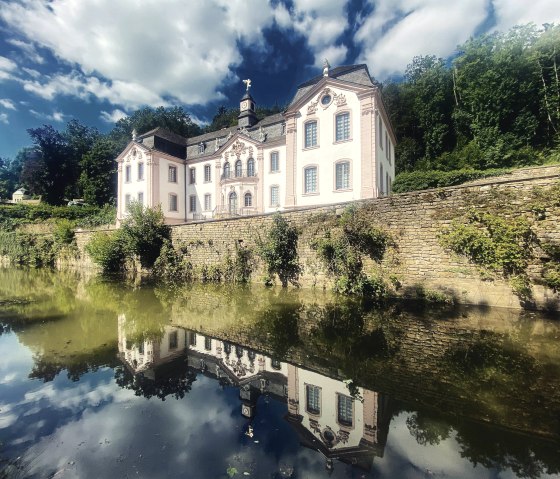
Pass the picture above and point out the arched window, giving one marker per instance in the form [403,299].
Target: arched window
[238,168]
[227,170]
[250,167]
[248,199]
[232,203]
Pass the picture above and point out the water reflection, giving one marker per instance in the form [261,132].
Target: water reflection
[350,426]
[107,380]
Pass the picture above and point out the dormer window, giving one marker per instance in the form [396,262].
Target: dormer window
[201,147]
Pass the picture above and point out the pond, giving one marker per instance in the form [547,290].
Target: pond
[100,379]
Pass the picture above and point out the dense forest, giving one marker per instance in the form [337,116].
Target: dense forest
[496,104]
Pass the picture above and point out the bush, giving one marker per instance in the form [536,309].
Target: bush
[279,251]
[145,232]
[108,250]
[27,249]
[171,265]
[64,232]
[423,180]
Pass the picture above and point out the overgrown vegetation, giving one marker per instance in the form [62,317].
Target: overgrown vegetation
[422,180]
[500,238]
[341,247]
[142,234]
[278,249]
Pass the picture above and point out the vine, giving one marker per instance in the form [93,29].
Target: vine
[342,247]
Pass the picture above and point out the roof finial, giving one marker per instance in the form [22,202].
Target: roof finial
[247,83]
[134,134]
[326,67]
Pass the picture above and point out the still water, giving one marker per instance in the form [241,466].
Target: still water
[104,380]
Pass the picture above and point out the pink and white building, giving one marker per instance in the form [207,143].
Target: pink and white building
[333,144]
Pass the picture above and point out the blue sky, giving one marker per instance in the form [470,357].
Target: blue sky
[97,60]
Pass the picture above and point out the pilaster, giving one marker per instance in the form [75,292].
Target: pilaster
[368,147]
[291,160]
[260,184]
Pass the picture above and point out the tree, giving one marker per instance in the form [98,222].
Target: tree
[10,171]
[174,119]
[79,141]
[98,178]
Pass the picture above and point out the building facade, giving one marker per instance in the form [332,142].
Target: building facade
[333,144]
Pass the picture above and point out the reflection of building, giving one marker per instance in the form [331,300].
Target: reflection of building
[351,428]
[334,143]
[141,354]
[325,415]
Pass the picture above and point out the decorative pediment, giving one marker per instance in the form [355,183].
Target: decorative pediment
[238,148]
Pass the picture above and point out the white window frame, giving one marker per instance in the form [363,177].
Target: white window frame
[314,139]
[172,174]
[173,198]
[207,202]
[192,203]
[306,190]
[192,175]
[274,161]
[127,174]
[346,128]
[140,171]
[207,173]
[277,189]
[349,178]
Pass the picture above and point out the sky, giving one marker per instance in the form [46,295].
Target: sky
[99,60]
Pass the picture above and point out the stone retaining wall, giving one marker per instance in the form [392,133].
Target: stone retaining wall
[414,220]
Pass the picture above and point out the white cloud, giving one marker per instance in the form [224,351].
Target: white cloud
[7,66]
[114,116]
[321,22]
[398,30]
[141,54]
[31,72]
[55,116]
[28,50]
[8,104]
[4,118]
[517,12]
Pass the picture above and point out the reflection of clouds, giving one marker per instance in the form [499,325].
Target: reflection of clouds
[404,457]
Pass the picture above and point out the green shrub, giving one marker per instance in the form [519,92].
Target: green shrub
[64,232]
[422,180]
[172,265]
[279,251]
[145,232]
[341,249]
[27,249]
[108,250]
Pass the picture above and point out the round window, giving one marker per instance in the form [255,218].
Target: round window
[326,100]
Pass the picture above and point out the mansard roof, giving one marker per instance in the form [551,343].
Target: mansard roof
[357,74]
[271,126]
[165,134]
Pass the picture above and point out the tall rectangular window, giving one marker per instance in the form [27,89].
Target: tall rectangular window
[207,202]
[387,143]
[274,196]
[342,126]
[274,162]
[140,171]
[127,174]
[381,190]
[310,134]
[342,175]
[345,409]
[126,202]
[172,202]
[380,127]
[172,174]
[192,176]
[207,173]
[208,344]
[310,180]
[192,203]
[141,198]
[173,340]
[313,399]
[389,152]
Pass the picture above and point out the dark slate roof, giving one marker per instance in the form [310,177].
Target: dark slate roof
[358,74]
[271,127]
[165,134]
